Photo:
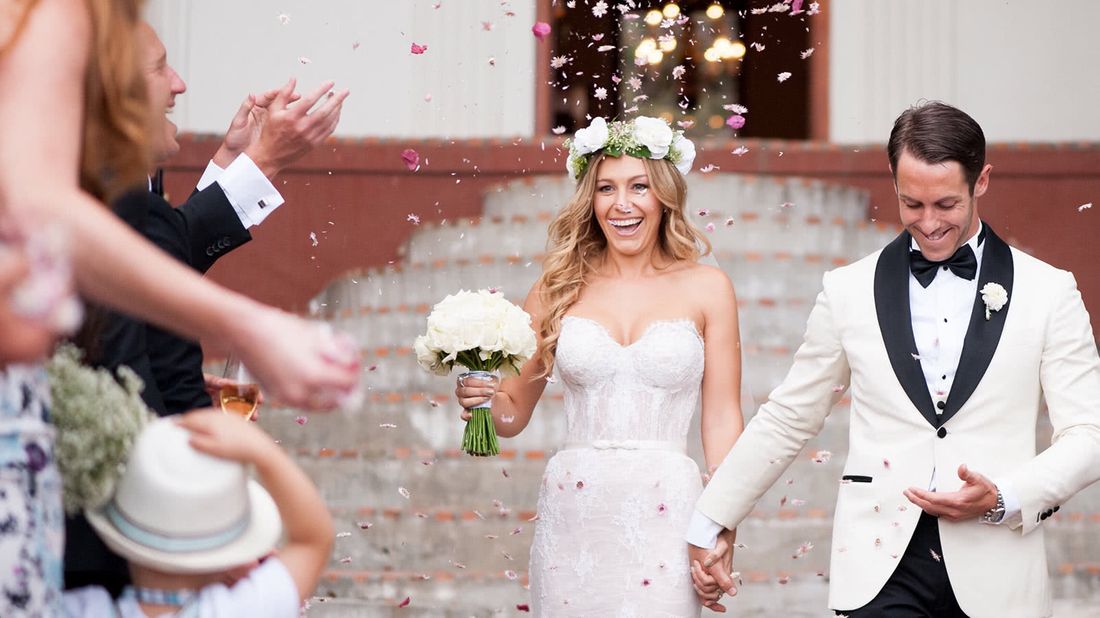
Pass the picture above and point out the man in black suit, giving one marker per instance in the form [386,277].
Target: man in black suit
[268,133]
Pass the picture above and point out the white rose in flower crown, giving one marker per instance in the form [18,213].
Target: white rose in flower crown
[590,139]
[654,134]
[686,148]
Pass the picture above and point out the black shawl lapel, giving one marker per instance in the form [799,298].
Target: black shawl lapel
[982,335]
[896,324]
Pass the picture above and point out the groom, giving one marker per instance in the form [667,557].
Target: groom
[949,340]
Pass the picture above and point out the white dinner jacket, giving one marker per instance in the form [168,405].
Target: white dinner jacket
[1039,345]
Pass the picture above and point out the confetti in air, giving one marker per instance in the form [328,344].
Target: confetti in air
[284,19]
[541,30]
[1084,207]
[599,9]
[301,420]
[304,60]
[784,76]
[411,159]
[735,121]
[417,49]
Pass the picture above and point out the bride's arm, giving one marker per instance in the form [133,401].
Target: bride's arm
[515,400]
[722,421]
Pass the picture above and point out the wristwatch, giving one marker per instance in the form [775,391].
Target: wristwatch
[997,513]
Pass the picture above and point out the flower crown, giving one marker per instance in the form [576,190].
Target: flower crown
[643,137]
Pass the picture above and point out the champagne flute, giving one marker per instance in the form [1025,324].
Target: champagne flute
[241,396]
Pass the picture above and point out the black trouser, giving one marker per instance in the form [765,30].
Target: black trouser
[919,586]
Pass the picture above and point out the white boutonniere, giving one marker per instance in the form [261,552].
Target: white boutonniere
[994,296]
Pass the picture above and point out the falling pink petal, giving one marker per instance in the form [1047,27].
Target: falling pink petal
[355,46]
[796,7]
[487,26]
[345,560]
[510,574]
[709,227]
[387,425]
[784,76]
[735,121]
[704,212]
[541,29]
[504,471]
[523,607]
[301,420]
[580,484]
[411,159]
[405,603]
[364,525]
[404,492]
[304,60]
[886,463]
[646,582]
[412,218]
[708,168]
[418,49]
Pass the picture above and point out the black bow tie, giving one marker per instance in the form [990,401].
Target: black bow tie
[964,264]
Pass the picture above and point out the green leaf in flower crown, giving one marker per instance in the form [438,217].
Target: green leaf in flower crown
[613,150]
[640,152]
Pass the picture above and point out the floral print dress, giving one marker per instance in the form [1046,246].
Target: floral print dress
[32,524]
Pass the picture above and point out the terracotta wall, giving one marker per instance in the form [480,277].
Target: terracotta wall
[355,196]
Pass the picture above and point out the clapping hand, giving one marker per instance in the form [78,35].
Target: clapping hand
[277,128]
[711,571]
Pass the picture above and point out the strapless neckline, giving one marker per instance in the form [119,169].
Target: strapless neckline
[686,322]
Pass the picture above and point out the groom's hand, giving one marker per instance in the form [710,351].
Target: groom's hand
[977,495]
[711,571]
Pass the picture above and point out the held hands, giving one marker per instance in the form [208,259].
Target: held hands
[277,128]
[474,392]
[977,495]
[711,571]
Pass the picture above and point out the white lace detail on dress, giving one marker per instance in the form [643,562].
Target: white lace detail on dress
[612,515]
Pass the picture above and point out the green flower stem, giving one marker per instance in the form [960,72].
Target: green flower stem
[480,437]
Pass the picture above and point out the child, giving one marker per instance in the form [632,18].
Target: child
[195,529]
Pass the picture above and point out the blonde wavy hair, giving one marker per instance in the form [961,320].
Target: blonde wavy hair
[576,245]
[115,154]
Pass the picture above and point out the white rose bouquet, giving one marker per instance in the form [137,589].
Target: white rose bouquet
[484,333]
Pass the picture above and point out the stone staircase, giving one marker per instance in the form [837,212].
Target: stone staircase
[418,520]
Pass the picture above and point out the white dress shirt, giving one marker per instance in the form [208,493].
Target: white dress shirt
[251,194]
[940,315]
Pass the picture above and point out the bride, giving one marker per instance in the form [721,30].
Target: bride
[637,331]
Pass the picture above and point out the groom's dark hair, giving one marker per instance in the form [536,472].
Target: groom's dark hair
[934,132]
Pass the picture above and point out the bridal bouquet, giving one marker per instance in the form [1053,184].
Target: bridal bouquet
[484,333]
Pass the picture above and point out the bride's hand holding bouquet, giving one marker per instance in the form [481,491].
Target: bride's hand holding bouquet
[487,335]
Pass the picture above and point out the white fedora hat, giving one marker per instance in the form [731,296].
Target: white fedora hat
[177,510]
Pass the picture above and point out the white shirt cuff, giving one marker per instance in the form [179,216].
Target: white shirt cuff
[249,191]
[210,175]
[703,531]
[1012,504]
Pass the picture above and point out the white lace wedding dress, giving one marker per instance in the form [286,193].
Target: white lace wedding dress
[615,502]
